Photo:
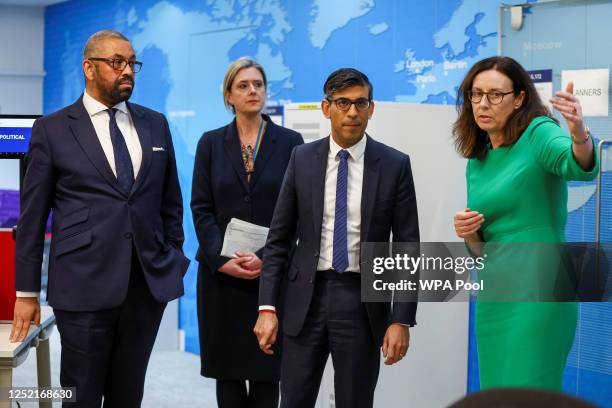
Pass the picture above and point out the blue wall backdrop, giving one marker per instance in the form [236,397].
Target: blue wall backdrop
[413,51]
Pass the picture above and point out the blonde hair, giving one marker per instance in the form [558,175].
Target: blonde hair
[232,71]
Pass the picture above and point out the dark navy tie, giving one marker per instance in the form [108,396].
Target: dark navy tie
[340,249]
[123,161]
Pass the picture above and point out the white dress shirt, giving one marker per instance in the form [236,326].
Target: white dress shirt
[101,123]
[100,120]
[354,188]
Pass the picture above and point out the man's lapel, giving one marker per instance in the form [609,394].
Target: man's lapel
[319,167]
[370,185]
[143,129]
[83,131]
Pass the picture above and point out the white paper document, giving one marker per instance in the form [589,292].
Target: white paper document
[243,236]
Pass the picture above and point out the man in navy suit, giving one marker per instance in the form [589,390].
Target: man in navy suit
[106,169]
[337,192]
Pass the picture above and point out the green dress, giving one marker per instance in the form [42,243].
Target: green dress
[521,190]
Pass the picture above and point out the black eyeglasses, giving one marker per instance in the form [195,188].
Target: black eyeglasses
[494,97]
[119,64]
[344,104]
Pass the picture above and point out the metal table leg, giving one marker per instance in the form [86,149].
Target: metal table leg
[6,381]
[43,369]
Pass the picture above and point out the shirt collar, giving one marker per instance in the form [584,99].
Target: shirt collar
[356,151]
[94,107]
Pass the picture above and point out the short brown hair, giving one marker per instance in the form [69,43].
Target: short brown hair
[471,141]
[232,71]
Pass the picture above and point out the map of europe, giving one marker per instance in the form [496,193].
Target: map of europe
[413,51]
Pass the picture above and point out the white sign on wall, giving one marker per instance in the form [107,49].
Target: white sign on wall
[591,87]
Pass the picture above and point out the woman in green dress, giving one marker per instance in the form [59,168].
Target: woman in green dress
[519,163]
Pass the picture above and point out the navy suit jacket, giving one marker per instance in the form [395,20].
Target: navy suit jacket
[388,204]
[95,224]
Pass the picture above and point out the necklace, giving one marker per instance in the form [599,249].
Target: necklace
[249,153]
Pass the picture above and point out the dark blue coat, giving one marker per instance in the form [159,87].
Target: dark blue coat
[95,223]
[227,306]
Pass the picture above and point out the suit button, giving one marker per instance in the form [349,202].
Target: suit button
[247,199]
[316,254]
[127,235]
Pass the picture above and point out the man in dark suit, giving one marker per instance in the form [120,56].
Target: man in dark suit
[106,169]
[337,192]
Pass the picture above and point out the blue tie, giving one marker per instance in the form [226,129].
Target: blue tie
[123,161]
[340,250]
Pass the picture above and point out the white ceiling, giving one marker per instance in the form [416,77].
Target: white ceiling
[33,3]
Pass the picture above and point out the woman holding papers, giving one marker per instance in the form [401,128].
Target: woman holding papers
[238,173]
[519,162]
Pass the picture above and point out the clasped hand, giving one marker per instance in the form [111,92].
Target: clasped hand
[246,265]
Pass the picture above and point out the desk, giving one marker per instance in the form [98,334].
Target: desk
[13,354]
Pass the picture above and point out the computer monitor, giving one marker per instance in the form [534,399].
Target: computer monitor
[9,192]
[15,133]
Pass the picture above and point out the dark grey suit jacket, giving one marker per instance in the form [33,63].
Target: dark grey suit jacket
[388,204]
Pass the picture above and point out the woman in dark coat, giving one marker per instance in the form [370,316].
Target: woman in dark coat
[238,173]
